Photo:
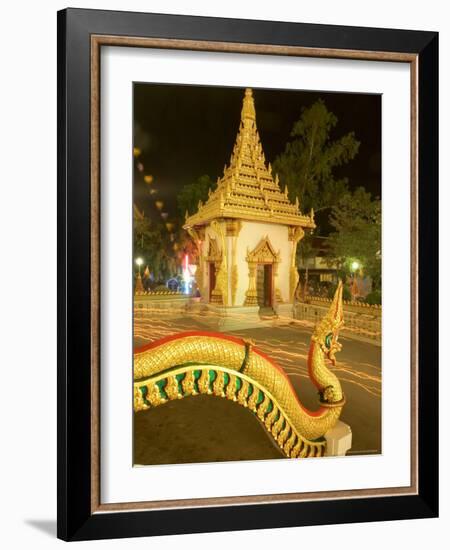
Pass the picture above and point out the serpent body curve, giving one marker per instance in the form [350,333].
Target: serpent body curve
[193,363]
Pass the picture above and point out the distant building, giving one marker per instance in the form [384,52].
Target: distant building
[318,268]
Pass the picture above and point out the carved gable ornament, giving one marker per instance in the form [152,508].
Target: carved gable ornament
[263,253]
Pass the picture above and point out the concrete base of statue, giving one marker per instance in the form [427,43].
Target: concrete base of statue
[285,310]
[339,440]
[225,319]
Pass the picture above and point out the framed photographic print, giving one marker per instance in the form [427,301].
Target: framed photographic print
[247,274]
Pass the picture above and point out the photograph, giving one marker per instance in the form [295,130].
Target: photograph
[257,274]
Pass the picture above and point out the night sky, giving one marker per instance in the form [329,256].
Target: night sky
[187,131]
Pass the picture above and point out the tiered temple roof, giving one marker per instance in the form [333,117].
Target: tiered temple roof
[247,190]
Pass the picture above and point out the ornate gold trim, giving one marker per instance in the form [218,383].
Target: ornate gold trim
[220,293]
[233,227]
[214,252]
[263,253]
[295,234]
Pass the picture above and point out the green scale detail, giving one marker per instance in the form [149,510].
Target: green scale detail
[144,392]
[180,378]
[161,385]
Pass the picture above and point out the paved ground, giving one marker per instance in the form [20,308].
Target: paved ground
[203,429]
[200,429]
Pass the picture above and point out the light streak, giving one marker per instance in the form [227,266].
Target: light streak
[152,323]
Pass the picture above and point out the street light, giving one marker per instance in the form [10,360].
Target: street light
[355,266]
[139,262]
[139,289]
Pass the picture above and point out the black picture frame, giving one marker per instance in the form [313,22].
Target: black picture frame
[76,519]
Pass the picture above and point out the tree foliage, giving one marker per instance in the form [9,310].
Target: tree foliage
[309,160]
[357,222]
[152,243]
[191,193]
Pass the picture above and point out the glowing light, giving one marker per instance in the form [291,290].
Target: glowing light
[148,179]
[187,279]
[136,151]
[355,265]
[291,354]
[159,205]
[139,261]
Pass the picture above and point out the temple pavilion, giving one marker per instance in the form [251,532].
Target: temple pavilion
[247,231]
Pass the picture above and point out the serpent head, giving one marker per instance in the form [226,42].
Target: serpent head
[326,332]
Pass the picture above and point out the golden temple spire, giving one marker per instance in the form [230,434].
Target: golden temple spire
[248,189]
[248,106]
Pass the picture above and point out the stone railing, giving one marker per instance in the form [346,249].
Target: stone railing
[357,307]
[162,299]
[167,292]
[360,322]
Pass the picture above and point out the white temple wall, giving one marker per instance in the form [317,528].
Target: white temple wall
[249,237]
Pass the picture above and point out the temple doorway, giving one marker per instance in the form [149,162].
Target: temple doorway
[264,285]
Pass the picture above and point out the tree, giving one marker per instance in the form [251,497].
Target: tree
[308,162]
[357,221]
[151,243]
[191,193]
[142,234]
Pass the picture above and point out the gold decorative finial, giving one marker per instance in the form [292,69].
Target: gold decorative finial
[334,318]
[248,106]
[336,311]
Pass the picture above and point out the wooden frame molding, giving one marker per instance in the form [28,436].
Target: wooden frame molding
[96,43]
[81,35]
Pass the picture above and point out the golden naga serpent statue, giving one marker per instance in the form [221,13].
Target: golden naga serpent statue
[195,363]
